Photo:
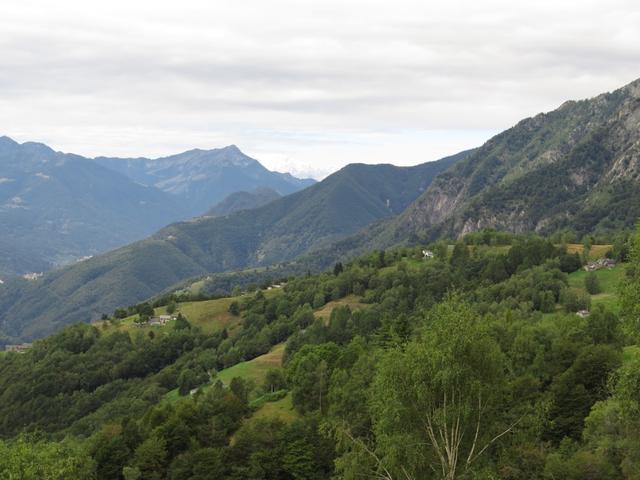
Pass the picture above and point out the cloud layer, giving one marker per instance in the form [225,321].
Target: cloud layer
[302,85]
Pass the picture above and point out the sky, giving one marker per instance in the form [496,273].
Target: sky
[303,86]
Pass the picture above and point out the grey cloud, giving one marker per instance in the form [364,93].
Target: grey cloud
[101,77]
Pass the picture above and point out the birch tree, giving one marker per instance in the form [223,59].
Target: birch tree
[435,404]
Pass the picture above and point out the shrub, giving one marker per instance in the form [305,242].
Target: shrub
[592,284]
[574,299]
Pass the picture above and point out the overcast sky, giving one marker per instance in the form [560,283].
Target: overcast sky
[303,86]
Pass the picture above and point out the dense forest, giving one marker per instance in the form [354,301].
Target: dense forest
[498,357]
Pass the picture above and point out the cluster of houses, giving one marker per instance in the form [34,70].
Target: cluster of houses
[33,276]
[157,321]
[600,263]
[18,348]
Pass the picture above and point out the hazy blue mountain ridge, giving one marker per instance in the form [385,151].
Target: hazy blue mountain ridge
[56,208]
[202,178]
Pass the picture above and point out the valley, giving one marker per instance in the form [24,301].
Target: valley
[473,317]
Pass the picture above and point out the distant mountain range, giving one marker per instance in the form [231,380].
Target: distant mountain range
[281,230]
[202,178]
[56,208]
[576,168]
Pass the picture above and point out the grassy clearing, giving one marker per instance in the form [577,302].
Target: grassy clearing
[609,283]
[352,301]
[282,409]
[210,315]
[213,315]
[413,262]
[172,396]
[609,280]
[128,325]
[255,369]
[630,353]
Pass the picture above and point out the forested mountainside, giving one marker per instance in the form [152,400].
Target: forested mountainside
[284,229]
[56,208]
[243,201]
[202,178]
[577,167]
[469,364]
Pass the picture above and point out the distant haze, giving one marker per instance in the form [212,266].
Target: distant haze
[303,86]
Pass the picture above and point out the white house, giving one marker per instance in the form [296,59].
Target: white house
[426,254]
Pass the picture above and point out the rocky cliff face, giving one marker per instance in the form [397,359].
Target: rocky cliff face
[577,167]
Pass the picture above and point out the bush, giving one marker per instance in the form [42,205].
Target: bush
[574,299]
[318,300]
[234,308]
[181,323]
[592,284]
[268,397]
[171,307]
[570,263]
[547,302]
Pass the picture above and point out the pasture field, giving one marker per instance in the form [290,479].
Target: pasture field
[255,369]
[609,280]
[352,301]
[282,409]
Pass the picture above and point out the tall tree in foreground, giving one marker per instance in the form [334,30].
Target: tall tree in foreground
[435,404]
[630,298]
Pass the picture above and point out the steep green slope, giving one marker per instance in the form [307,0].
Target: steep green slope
[576,167]
[338,206]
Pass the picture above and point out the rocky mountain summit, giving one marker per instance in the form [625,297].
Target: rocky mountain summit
[577,166]
[202,178]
